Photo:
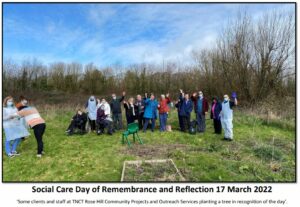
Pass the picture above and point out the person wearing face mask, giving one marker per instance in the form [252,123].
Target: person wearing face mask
[91,108]
[130,110]
[227,116]
[78,121]
[34,121]
[103,118]
[13,127]
[216,108]
[186,107]
[115,106]
[22,103]
[107,108]
[150,112]
[201,109]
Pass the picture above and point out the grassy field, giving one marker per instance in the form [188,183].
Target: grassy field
[260,152]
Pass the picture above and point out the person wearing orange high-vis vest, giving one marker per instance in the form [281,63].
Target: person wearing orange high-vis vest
[35,121]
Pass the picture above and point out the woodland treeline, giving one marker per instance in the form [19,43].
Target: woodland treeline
[254,57]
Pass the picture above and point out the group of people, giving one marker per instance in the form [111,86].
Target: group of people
[221,112]
[102,115]
[145,110]
[16,120]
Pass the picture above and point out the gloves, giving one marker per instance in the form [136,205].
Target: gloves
[233,95]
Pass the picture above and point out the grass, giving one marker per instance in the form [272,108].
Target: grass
[154,171]
[260,152]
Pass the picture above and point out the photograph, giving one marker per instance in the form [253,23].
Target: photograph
[153,92]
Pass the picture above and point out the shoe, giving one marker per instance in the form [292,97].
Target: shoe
[10,155]
[39,155]
[68,131]
[15,153]
[228,139]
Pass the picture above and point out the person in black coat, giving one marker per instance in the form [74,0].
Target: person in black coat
[216,108]
[131,111]
[115,106]
[180,119]
[78,121]
[140,105]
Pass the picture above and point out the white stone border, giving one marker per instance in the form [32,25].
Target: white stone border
[150,161]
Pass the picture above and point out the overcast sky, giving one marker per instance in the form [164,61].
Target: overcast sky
[108,34]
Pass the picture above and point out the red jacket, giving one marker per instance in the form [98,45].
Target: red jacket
[204,104]
[163,105]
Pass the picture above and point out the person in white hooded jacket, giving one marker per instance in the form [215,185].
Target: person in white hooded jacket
[91,108]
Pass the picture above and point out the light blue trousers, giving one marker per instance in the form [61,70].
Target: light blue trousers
[11,146]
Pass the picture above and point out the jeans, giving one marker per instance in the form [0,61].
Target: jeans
[163,121]
[11,146]
[38,133]
[117,119]
[147,122]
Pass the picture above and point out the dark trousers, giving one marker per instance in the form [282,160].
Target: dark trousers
[147,122]
[92,124]
[180,121]
[117,119]
[141,120]
[75,124]
[38,133]
[217,126]
[201,122]
[130,119]
[101,125]
[186,122]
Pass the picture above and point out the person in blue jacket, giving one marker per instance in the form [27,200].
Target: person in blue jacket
[150,112]
[186,107]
